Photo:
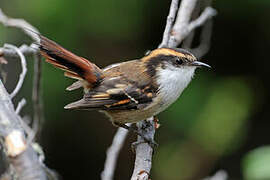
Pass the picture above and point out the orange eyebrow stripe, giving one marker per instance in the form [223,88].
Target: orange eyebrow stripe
[163,51]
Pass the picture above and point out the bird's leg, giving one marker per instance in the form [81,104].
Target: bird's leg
[132,129]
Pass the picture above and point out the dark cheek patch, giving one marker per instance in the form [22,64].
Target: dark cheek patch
[158,61]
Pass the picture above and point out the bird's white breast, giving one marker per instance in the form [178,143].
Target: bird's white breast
[172,81]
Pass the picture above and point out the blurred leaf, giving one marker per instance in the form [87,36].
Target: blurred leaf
[256,164]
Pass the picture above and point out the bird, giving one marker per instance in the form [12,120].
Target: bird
[129,91]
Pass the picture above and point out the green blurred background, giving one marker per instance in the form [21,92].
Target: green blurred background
[220,122]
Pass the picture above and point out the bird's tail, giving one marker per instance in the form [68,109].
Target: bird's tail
[76,67]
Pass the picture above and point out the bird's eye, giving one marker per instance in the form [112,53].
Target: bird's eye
[179,61]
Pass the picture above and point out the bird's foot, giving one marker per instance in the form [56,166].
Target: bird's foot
[133,129]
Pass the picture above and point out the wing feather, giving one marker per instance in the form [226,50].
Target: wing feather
[126,99]
[119,92]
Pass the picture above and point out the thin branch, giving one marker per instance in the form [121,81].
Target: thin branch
[25,49]
[112,154]
[208,13]
[144,151]
[32,32]
[169,24]
[183,26]
[187,42]
[24,69]
[180,31]
[38,117]
[21,24]
[27,164]
[205,40]
[205,35]
[20,105]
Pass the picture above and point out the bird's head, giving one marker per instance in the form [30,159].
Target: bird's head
[172,68]
[172,58]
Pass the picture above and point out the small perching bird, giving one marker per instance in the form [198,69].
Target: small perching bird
[129,91]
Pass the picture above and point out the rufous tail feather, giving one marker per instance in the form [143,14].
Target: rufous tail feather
[76,67]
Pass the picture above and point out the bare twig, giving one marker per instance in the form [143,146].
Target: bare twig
[183,26]
[187,42]
[206,14]
[205,35]
[205,40]
[113,152]
[20,105]
[21,24]
[36,96]
[25,49]
[32,32]
[169,24]
[24,69]
[26,162]
[179,31]
[144,151]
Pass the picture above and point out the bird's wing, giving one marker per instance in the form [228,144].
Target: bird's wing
[118,92]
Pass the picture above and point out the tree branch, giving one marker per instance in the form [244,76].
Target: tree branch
[20,106]
[32,32]
[208,13]
[38,117]
[24,69]
[144,151]
[21,24]
[205,40]
[169,24]
[25,49]
[22,157]
[183,26]
[180,31]
[112,154]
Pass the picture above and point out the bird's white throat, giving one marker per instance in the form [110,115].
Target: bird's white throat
[172,81]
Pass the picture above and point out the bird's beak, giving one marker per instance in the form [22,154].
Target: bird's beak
[200,64]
